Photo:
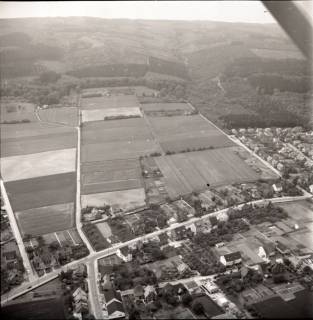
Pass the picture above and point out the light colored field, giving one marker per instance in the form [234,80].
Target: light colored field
[126,200]
[66,116]
[165,106]
[105,229]
[118,150]
[278,54]
[101,114]
[27,145]
[17,111]
[192,171]
[304,237]
[38,164]
[48,219]
[123,101]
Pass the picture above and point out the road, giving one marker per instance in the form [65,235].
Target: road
[92,257]
[17,234]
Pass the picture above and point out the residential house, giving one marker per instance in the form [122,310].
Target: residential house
[125,254]
[311,188]
[277,187]
[80,271]
[113,304]
[139,293]
[180,233]
[10,256]
[282,248]
[80,302]
[230,259]
[150,294]
[163,239]
[266,251]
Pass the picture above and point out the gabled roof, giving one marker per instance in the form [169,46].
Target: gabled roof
[232,256]
[115,306]
[112,294]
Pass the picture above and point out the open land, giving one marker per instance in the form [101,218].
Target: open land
[39,221]
[38,164]
[126,199]
[17,111]
[184,173]
[166,106]
[109,102]
[101,114]
[32,145]
[112,175]
[67,116]
[42,191]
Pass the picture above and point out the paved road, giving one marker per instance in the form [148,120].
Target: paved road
[17,234]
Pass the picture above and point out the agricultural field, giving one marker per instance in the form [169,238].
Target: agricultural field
[111,175]
[108,102]
[124,200]
[105,229]
[39,221]
[33,145]
[42,191]
[67,116]
[192,171]
[300,211]
[118,150]
[115,130]
[103,114]
[166,106]
[278,54]
[17,111]
[38,164]
[23,130]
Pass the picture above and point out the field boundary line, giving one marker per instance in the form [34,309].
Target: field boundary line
[56,236]
[74,242]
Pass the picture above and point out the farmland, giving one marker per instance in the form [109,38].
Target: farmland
[41,191]
[17,111]
[47,163]
[66,116]
[39,221]
[29,145]
[103,114]
[184,173]
[110,176]
[165,106]
[109,102]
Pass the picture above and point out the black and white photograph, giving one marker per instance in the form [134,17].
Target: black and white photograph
[156,160]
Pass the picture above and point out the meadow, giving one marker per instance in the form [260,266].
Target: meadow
[15,111]
[67,116]
[166,106]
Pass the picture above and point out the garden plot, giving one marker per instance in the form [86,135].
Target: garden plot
[105,229]
[39,221]
[38,164]
[125,200]
[192,171]
[108,102]
[112,113]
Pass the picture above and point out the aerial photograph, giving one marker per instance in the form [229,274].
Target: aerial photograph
[156,160]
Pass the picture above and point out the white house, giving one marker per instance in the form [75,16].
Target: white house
[311,188]
[277,187]
[125,254]
[230,259]
[266,251]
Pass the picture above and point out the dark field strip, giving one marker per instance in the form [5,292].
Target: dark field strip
[43,191]
[37,144]
[111,186]
[118,164]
